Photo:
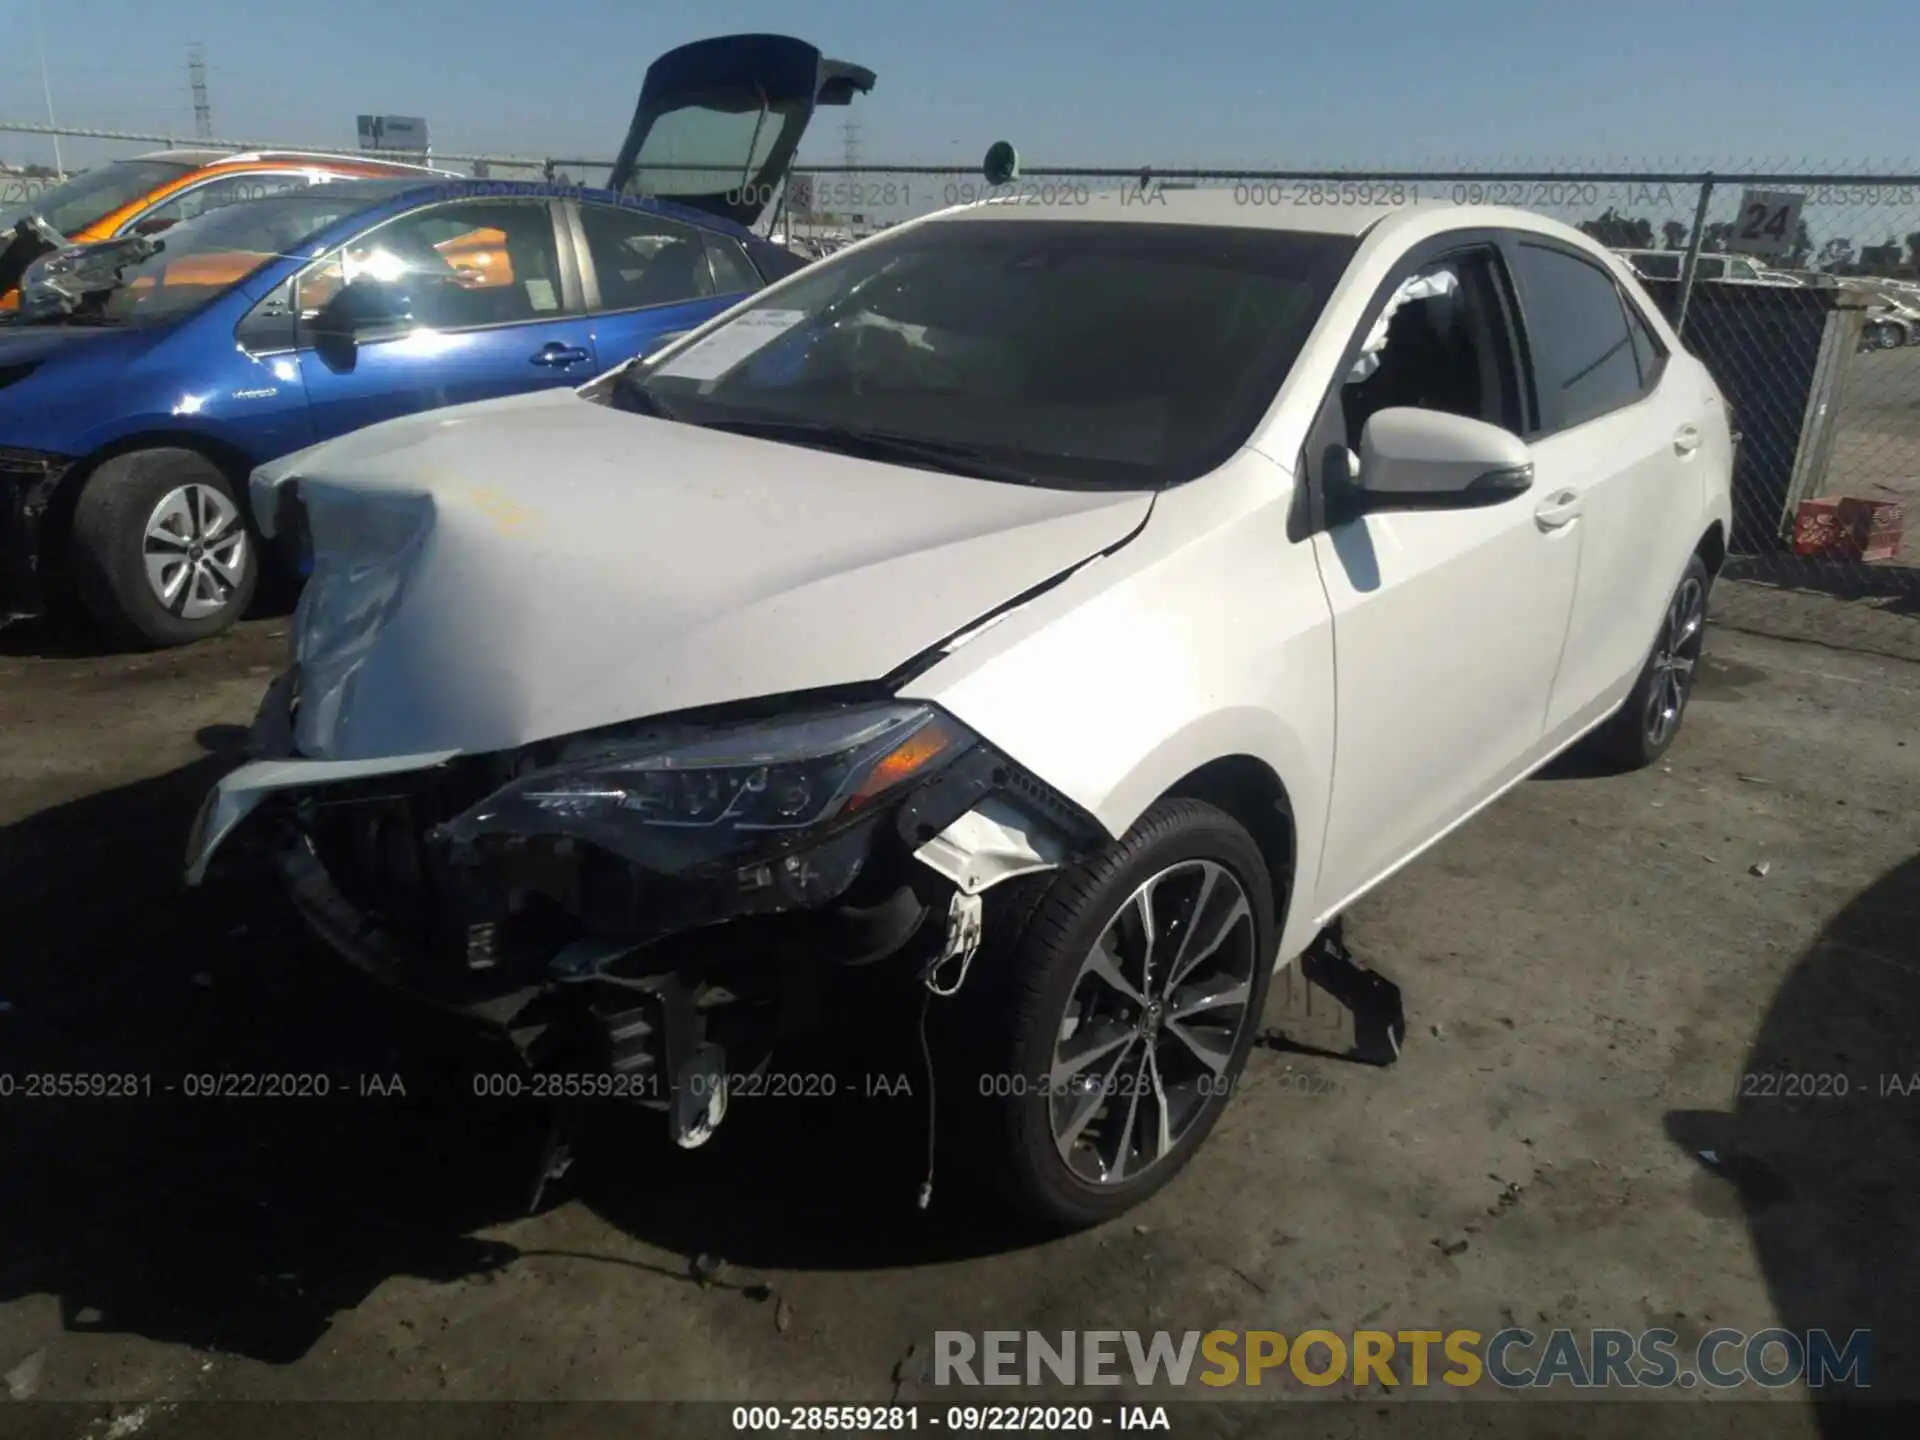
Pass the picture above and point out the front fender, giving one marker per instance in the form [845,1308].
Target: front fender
[1206,637]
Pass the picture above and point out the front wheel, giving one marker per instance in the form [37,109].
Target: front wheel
[161,553]
[1640,731]
[1113,1022]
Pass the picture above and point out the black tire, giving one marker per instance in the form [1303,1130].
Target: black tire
[1009,1017]
[1630,739]
[108,551]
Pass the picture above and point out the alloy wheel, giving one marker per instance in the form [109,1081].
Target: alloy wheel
[1152,1022]
[1674,660]
[196,551]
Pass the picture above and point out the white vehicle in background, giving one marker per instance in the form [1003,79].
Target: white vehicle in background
[963,612]
[1893,316]
[1709,265]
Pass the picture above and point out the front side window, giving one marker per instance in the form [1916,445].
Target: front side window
[1441,343]
[1055,352]
[641,259]
[461,266]
[1583,356]
[1664,265]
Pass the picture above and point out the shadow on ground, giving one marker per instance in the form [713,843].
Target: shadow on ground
[1826,1180]
[66,634]
[245,1224]
[1844,580]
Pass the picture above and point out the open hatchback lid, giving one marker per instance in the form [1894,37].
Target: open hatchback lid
[719,121]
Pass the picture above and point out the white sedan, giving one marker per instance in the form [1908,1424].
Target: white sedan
[1058,614]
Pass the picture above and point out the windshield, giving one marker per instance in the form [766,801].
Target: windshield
[199,259]
[1059,352]
[77,203]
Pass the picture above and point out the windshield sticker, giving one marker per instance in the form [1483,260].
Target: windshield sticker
[730,344]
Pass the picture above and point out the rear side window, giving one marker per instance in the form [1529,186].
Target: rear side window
[1583,356]
[1648,353]
[732,272]
[644,259]
[1663,266]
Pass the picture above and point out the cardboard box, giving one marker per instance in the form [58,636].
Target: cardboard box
[1840,528]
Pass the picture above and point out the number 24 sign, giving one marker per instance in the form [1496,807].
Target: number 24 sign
[1768,222]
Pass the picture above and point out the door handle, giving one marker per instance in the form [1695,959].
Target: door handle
[1686,439]
[1558,509]
[555,353]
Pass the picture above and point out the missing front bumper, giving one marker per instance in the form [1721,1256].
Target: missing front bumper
[28,482]
[591,963]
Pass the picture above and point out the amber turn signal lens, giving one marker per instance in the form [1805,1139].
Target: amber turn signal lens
[914,754]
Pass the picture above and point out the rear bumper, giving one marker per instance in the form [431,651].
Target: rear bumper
[27,485]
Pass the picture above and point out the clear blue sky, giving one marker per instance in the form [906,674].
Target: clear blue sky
[1068,81]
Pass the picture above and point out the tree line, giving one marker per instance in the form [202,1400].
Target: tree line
[1895,259]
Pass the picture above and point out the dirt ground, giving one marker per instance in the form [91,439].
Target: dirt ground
[1589,969]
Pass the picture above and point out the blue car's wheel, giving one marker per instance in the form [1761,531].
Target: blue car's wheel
[162,553]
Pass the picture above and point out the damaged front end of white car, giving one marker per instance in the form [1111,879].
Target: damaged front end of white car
[662,902]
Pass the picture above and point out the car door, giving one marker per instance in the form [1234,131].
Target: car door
[1448,624]
[1620,436]
[494,311]
[649,279]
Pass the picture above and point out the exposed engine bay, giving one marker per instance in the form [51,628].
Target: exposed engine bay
[659,906]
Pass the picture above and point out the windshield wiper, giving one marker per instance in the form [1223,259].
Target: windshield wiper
[952,457]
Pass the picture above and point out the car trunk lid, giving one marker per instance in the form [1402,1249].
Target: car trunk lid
[719,121]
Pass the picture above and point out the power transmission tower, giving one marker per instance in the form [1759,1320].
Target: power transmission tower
[202,111]
[850,153]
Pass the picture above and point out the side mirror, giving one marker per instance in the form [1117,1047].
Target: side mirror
[1002,165]
[154,225]
[361,307]
[1429,460]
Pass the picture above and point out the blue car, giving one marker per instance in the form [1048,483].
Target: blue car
[145,378]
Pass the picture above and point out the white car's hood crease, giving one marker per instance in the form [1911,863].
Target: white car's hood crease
[573,566]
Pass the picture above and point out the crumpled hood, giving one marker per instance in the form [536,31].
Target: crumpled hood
[495,574]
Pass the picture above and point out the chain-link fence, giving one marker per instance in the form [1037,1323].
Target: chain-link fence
[1800,290]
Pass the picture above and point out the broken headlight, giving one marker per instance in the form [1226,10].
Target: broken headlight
[674,802]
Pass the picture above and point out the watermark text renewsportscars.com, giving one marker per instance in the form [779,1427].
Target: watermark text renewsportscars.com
[1509,1359]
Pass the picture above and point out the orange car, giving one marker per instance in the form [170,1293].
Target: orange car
[150,192]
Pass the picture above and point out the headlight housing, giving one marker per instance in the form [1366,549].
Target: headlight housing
[677,801]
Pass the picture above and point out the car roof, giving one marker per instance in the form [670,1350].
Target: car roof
[1254,205]
[197,157]
[183,156]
